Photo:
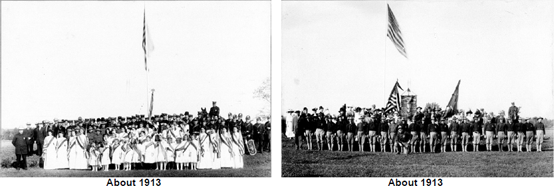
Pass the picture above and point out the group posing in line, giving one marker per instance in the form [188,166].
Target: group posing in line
[164,142]
[424,129]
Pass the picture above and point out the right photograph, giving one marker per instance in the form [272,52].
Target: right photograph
[417,89]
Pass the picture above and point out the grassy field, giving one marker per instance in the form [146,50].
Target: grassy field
[303,163]
[258,165]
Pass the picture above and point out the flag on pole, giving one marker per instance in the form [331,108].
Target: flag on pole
[395,34]
[452,107]
[147,45]
[151,105]
[393,103]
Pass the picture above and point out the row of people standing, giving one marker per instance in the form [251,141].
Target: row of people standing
[426,129]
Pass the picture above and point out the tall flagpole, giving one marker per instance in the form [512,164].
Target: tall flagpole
[385,64]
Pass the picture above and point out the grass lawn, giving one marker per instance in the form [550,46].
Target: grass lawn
[450,164]
[258,165]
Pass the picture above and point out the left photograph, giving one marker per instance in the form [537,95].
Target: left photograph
[135,89]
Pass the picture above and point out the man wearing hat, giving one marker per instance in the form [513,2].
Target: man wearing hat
[501,132]
[511,134]
[513,112]
[20,143]
[214,111]
[403,141]
[540,131]
[465,128]
[489,129]
[455,132]
[40,133]
[28,134]
[521,129]
[529,134]
[418,116]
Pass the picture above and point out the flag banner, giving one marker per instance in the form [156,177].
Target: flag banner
[395,34]
[151,105]
[147,45]
[408,105]
[452,107]
[393,103]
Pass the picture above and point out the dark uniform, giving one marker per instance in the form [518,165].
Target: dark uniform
[489,129]
[530,134]
[28,134]
[39,134]
[267,135]
[299,129]
[501,130]
[465,128]
[350,132]
[445,132]
[540,130]
[259,134]
[21,149]
[214,111]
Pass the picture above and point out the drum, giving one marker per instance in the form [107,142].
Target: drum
[251,147]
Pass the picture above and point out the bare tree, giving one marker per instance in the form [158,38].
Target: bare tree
[263,92]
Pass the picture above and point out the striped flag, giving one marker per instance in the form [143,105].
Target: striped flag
[395,34]
[394,100]
[147,45]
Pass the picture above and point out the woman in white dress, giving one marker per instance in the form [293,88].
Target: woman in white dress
[93,155]
[161,157]
[194,152]
[289,133]
[205,154]
[71,154]
[128,154]
[105,155]
[170,152]
[226,149]
[49,151]
[215,148]
[61,152]
[238,148]
[180,157]
[117,154]
[81,161]
[150,151]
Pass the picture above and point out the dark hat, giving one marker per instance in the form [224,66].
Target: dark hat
[186,112]
[540,118]
[418,108]
[214,101]
[469,112]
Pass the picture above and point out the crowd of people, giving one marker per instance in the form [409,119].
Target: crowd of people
[422,131]
[161,142]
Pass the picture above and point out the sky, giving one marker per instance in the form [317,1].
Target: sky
[69,59]
[338,53]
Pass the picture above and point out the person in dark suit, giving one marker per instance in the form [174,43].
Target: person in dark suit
[267,134]
[259,134]
[20,143]
[40,133]
[513,112]
[28,134]
[214,111]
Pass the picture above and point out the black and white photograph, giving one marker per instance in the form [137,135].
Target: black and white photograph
[417,89]
[135,89]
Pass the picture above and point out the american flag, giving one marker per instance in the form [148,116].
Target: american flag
[395,34]
[394,100]
[151,105]
[147,45]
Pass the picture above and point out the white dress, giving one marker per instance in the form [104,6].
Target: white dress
[128,154]
[238,150]
[150,153]
[180,152]
[61,153]
[226,151]
[81,161]
[215,148]
[49,152]
[171,152]
[206,154]
[117,155]
[105,160]
[289,133]
[93,157]
[194,151]
[162,154]
[71,154]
